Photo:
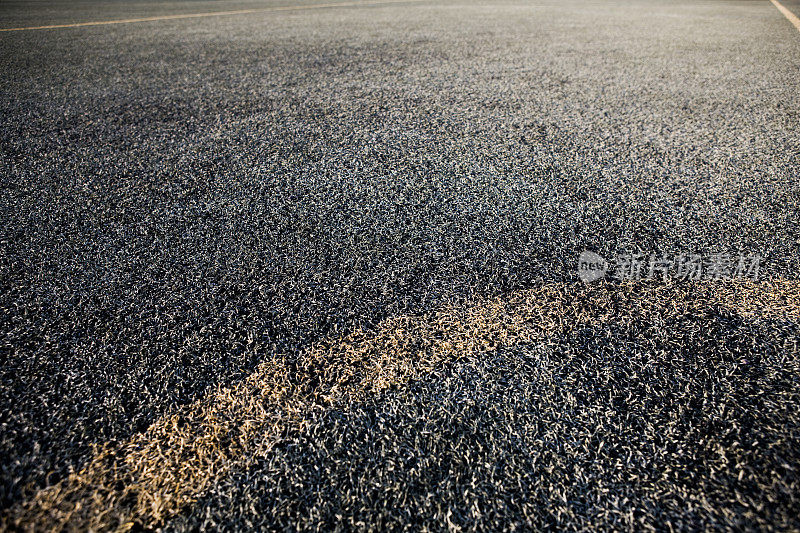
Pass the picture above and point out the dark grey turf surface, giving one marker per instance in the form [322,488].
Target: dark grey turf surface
[592,431]
[25,13]
[183,199]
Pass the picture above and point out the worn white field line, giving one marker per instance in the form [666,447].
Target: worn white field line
[788,14]
[211,14]
[155,474]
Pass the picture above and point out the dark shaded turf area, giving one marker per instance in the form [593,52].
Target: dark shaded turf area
[675,422]
[184,199]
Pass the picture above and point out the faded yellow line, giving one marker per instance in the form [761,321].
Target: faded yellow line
[210,14]
[155,474]
[788,14]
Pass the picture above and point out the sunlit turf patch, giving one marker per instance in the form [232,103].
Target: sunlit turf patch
[779,299]
[155,474]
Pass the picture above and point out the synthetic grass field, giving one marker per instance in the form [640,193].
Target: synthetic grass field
[317,268]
